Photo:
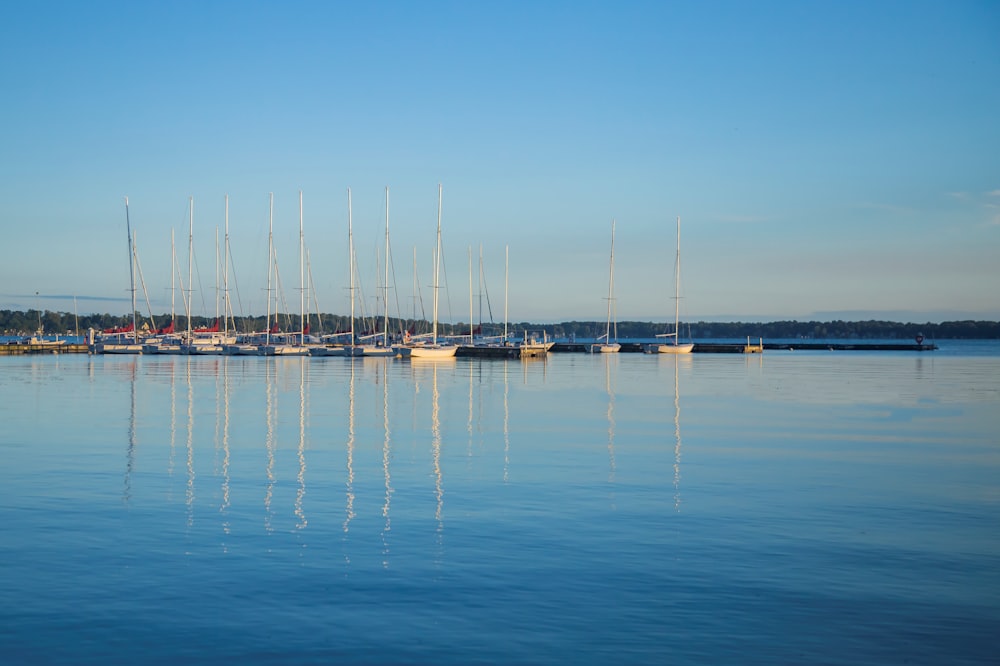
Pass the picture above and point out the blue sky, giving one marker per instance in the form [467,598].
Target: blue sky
[827,159]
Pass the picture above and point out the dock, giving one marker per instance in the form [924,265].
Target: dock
[563,347]
[760,347]
[43,348]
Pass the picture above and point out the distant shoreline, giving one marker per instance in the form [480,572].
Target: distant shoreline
[26,323]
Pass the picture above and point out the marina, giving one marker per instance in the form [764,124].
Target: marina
[515,351]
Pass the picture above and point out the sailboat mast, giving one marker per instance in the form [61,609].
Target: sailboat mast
[302,278]
[270,258]
[350,246]
[131,273]
[437,268]
[506,283]
[190,263]
[385,282]
[611,285]
[218,265]
[225,274]
[472,330]
[677,285]
[173,275]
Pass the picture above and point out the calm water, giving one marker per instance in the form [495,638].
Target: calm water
[826,507]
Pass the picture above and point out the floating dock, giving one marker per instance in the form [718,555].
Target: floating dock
[41,348]
[748,348]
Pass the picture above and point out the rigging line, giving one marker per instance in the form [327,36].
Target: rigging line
[201,289]
[142,281]
[395,291]
[312,291]
[486,290]
[447,292]
[236,286]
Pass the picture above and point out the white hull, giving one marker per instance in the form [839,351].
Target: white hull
[284,350]
[241,350]
[206,350]
[115,348]
[328,351]
[427,351]
[370,350]
[534,348]
[685,348]
[605,348]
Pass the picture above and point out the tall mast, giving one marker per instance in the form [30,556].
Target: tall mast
[173,274]
[481,288]
[218,265]
[611,285]
[385,282]
[302,277]
[270,259]
[225,274]
[190,263]
[131,273]
[437,268]
[350,246]
[472,330]
[677,285]
[506,282]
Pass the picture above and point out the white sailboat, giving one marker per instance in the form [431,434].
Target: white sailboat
[381,347]
[288,344]
[675,346]
[609,347]
[124,340]
[432,349]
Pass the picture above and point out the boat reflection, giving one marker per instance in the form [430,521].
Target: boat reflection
[676,360]
[349,510]
[386,457]
[611,360]
[270,411]
[300,492]
[131,439]
[224,508]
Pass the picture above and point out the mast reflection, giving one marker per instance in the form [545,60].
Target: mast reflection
[269,443]
[608,360]
[349,510]
[677,434]
[436,450]
[506,424]
[301,492]
[189,494]
[130,447]
[386,456]
[224,508]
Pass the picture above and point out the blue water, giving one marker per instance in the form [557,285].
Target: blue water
[793,507]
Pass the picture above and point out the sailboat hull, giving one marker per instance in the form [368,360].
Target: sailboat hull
[427,351]
[685,348]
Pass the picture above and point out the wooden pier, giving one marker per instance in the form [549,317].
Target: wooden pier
[19,348]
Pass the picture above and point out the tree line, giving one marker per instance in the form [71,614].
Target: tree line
[14,322]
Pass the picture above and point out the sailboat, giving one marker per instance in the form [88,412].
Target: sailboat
[122,340]
[285,345]
[608,346]
[432,349]
[381,347]
[676,347]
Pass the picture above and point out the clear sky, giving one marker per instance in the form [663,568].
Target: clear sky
[827,159]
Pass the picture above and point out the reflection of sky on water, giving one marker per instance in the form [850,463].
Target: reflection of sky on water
[649,500]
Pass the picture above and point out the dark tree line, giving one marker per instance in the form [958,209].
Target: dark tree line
[66,323]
